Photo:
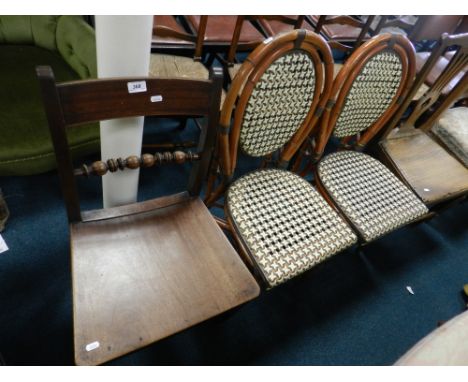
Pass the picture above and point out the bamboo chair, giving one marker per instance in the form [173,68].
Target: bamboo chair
[417,155]
[282,225]
[365,95]
[143,271]
[344,33]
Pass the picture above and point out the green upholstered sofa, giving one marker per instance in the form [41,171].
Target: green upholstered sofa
[67,44]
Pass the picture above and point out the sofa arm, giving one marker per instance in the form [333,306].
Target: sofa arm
[76,43]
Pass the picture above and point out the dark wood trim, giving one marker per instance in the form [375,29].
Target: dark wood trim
[52,105]
[134,208]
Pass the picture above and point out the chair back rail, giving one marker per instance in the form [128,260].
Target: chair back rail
[433,95]
[196,38]
[73,103]
[296,22]
[345,20]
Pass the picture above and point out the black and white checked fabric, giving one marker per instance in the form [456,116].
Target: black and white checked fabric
[452,129]
[285,223]
[370,94]
[278,104]
[373,199]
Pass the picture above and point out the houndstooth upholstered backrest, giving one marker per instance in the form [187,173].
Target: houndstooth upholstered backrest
[370,94]
[279,103]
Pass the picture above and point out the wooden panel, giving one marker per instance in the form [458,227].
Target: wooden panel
[427,168]
[97,100]
[140,278]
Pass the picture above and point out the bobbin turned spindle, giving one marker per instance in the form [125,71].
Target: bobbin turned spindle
[132,162]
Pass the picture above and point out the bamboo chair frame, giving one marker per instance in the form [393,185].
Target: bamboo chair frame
[242,86]
[341,87]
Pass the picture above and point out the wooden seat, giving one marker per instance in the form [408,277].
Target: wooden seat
[411,149]
[144,271]
[412,155]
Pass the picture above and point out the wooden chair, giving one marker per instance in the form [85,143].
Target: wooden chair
[394,24]
[170,37]
[271,26]
[365,94]
[429,28]
[276,24]
[219,31]
[344,33]
[282,225]
[143,271]
[166,31]
[415,155]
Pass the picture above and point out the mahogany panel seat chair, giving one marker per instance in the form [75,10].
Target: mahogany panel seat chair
[281,223]
[428,149]
[344,33]
[365,94]
[143,271]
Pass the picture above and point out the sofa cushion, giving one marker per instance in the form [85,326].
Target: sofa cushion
[30,30]
[76,44]
[25,140]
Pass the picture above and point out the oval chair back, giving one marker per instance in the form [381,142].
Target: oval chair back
[367,92]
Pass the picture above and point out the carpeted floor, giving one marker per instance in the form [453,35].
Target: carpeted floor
[352,310]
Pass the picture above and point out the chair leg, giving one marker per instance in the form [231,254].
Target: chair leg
[182,123]
[367,264]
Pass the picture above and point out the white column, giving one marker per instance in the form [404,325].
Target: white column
[123,46]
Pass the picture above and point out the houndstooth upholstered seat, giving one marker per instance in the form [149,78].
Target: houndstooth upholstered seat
[372,198]
[452,129]
[285,223]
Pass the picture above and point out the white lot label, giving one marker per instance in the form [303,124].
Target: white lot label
[92,346]
[156,98]
[3,246]
[136,86]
